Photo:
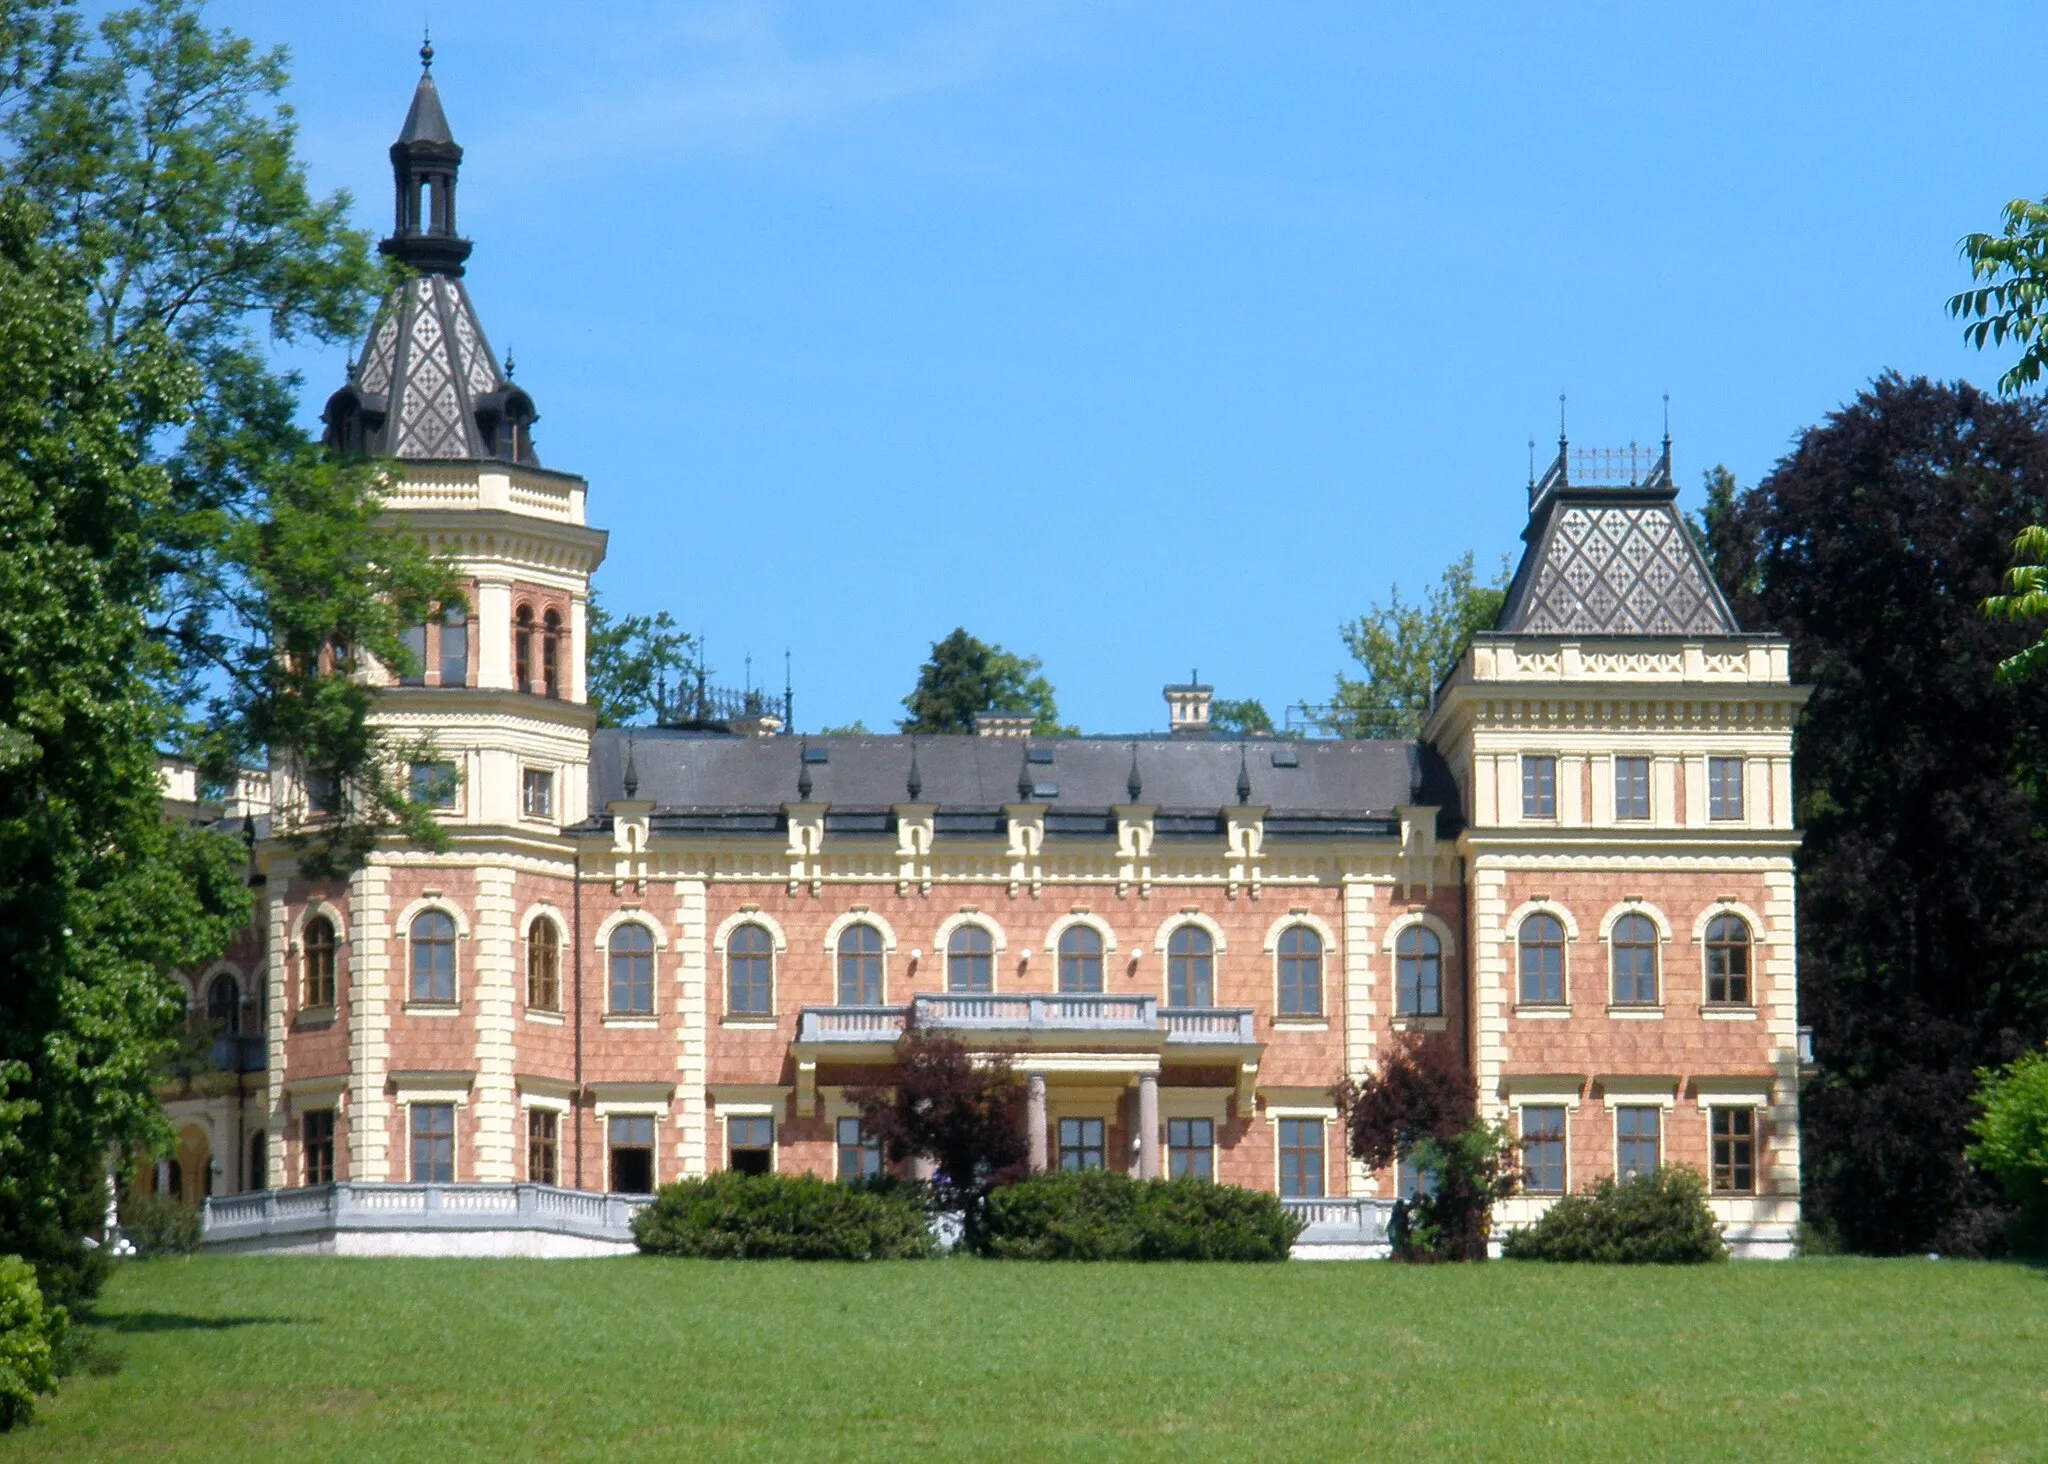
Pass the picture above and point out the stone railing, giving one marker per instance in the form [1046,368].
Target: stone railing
[344,1205]
[1062,1012]
[1346,1220]
[1212,1025]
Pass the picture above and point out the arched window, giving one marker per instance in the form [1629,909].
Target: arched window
[1418,973]
[318,943]
[1728,961]
[224,1005]
[1190,968]
[433,956]
[550,655]
[1081,959]
[971,961]
[632,954]
[1542,949]
[1301,972]
[860,966]
[749,972]
[1633,943]
[544,966]
[522,648]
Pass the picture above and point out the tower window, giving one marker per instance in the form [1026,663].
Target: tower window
[522,648]
[1539,787]
[1631,787]
[454,632]
[550,656]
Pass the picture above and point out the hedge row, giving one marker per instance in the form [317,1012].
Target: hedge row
[1101,1215]
[1659,1218]
[734,1216]
[30,1335]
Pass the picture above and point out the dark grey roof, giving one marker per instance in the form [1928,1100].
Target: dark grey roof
[1612,561]
[727,779]
[424,120]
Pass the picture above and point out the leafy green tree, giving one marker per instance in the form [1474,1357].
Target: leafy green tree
[1405,649]
[1923,878]
[1244,718]
[640,668]
[2012,1141]
[966,675]
[1714,530]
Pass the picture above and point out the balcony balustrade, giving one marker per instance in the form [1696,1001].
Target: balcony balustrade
[1030,1014]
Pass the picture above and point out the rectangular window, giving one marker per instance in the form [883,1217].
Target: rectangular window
[1636,1135]
[454,632]
[1631,787]
[1081,1143]
[537,793]
[1411,1183]
[433,1143]
[1191,1148]
[1543,1151]
[860,1157]
[1539,787]
[316,1138]
[434,784]
[543,1145]
[1301,1158]
[1724,787]
[630,1137]
[1734,1141]
[750,1145]
[414,639]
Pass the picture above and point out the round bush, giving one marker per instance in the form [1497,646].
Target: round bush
[1659,1218]
[1101,1215]
[29,1336]
[733,1216]
[158,1226]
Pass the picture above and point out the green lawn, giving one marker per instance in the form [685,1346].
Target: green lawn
[371,1360]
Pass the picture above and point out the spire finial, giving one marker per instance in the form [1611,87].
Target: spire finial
[631,780]
[426,49]
[508,363]
[1134,784]
[803,777]
[1563,470]
[1244,776]
[1667,426]
[914,785]
[1532,463]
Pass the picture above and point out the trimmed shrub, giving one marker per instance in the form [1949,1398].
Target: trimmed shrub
[158,1226]
[1659,1218]
[30,1335]
[1101,1215]
[2012,1144]
[752,1217]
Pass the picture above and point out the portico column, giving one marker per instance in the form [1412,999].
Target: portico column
[1148,1126]
[1034,1120]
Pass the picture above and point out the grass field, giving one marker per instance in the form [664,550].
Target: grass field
[638,1359]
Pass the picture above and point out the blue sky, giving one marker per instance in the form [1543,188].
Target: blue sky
[1146,337]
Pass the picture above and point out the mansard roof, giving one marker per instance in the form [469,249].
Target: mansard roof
[715,781]
[1613,558]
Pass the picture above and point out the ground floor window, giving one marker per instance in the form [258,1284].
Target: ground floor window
[1636,1134]
[750,1145]
[631,1140]
[1734,1158]
[433,1143]
[258,1152]
[1543,1150]
[1081,1144]
[1411,1183]
[1301,1158]
[860,1154]
[316,1141]
[1191,1148]
[543,1145]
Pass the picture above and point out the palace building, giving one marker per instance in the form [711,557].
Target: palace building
[659,952]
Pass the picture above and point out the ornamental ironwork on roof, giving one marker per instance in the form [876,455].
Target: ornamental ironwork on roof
[1610,554]
[427,385]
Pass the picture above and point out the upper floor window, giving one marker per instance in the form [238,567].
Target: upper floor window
[414,639]
[749,971]
[1728,961]
[1418,973]
[433,784]
[537,793]
[1634,944]
[544,967]
[1540,943]
[224,1005]
[1081,959]
[1724,787]
[1191,1148]
[970,961]
[1631,787]
[432,939]
[860,966]
[859,1154]
[1636,1135]
[1539,787]
[1301,972]
[523,670]
[1190,968]
[318,944]
[632,970]
[1301,1158]
[1732,1133]
[550,654]
[1543,1150]
[454,634]
[433,1143]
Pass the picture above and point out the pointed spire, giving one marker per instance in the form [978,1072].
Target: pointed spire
[1024,774]
[803,777]
[913,785]
[631,780]
[424,162]
[1134,784]
[1244,776]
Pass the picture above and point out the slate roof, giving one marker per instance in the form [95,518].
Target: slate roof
[1612,561]
[723,782]
[427,385]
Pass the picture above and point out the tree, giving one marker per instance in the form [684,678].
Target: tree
[1244,718]
[1714,530]
[640,667]
[1918,780]
[966,675]
[1420,1107]
[2011,1145]
[965,1115]
[1405,649]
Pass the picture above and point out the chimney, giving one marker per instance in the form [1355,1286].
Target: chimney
[1187,707]
[1003,724]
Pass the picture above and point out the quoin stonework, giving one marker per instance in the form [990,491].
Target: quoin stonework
[657,953]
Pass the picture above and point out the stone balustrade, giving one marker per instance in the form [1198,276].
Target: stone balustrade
[318,1214]
[1030,1013]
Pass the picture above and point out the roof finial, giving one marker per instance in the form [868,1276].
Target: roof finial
[508,363]
[1563,472]
[1532,463]
[1024,789]
[1244,776]
[1134,784]
[914,785]
[426,48]
[803,777]
[1667,426]
[631,780]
